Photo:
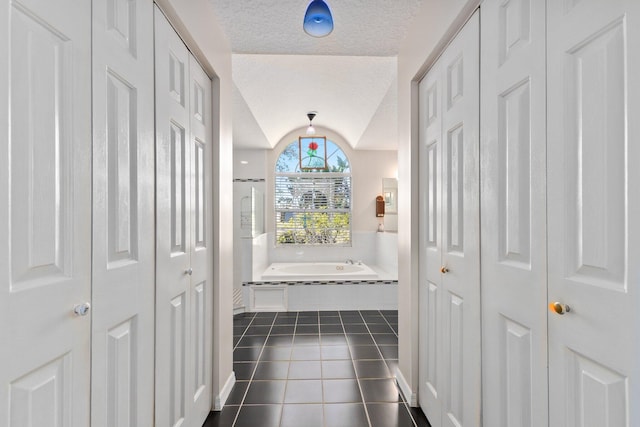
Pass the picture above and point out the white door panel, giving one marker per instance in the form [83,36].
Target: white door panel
[200,237]
[431,372]
[184,296]
[460,298]
[513,176]
[45,212]
[173,221]
[123,212]
[594,241]
[450,277]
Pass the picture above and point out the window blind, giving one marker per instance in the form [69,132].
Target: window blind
[313,208]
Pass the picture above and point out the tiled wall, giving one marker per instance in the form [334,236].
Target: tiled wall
[329,295]
[361,249]
[387,252]
[260,255]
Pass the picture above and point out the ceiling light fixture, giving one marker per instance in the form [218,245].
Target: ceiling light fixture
[311,130]
[318,21]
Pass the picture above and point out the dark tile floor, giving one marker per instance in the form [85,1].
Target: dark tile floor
[307,369]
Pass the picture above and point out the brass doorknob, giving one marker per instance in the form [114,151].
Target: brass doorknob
[444,270]
[559,308]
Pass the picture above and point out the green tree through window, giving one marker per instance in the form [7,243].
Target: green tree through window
[313,207]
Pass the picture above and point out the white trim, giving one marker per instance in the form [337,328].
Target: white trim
[239,310]
[410,396]
[456,26]
[268,298]
[221,399]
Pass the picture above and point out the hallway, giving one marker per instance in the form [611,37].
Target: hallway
[328,368]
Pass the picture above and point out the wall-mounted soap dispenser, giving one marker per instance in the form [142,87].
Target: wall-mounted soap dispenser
[380,207]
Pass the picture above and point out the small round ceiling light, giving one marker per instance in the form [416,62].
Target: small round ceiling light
[318,21]
[311,130]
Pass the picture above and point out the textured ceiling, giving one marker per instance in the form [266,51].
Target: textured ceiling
[349,77]
[361,27]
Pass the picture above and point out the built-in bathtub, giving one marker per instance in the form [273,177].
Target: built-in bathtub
[321,286]
[318,271]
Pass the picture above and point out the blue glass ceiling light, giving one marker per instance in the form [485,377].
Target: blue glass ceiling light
[318,21]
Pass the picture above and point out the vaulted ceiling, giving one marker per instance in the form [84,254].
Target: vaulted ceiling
[349,77]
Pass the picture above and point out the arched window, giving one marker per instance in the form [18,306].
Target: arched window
[313,194]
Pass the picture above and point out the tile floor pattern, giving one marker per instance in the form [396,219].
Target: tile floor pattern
[316,369]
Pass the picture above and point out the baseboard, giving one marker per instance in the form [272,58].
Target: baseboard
[238,310]
[409,395]
[221,399]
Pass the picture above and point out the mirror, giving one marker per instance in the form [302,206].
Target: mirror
[390,193]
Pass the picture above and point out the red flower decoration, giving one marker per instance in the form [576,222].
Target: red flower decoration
[313,146]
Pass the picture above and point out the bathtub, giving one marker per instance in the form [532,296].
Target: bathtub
[321,286]
[318,271]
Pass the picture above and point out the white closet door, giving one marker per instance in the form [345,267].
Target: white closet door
[594,211]
[45,212]
[460,297]
[201,289]
[431,372]
[173,296]
[513,214]
[123,214]
[451,291]
[184,295]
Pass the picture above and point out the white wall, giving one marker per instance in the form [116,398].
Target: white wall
[435,24]
[255,166]
[368,167]
[198,26]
